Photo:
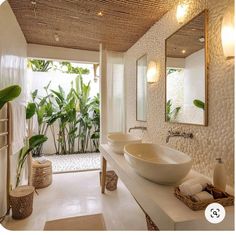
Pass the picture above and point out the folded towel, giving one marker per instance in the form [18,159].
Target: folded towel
[18,126]
[190,189]
[197,180]
[204,195]
[194,185]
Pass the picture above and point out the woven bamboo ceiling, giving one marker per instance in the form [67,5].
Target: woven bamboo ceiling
[83,24]
[187,38]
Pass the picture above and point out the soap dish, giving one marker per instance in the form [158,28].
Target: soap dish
[223,198]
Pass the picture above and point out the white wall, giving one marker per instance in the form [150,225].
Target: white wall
[60,53]
[194,86]
[12,66]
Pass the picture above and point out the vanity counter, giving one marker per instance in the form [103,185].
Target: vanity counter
[159,201]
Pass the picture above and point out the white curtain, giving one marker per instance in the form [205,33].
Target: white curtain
[115,92]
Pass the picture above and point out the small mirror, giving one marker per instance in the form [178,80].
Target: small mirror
[141,89]
[186,71]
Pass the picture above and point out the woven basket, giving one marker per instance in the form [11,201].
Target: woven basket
[111,180]
[150,224]
[41,174]
[227,200]
[21,201]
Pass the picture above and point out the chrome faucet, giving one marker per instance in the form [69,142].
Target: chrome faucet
[143,128]
[178,134]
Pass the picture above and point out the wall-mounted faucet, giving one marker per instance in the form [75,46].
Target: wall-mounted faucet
[178,134]
[143,128]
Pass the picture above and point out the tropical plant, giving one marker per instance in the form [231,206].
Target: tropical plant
[171,114]
[30,145]
[69,68]
[9,94]
[40,65]
[199,104]
[44,110]
[77,115]
[95,109]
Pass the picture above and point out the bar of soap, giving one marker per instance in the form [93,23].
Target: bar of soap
[202,196]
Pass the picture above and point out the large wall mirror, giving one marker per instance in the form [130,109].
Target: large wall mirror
[186,73]
[141,89]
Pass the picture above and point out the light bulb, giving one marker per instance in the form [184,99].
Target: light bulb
[152,72]
[1,2]
[181,12]
[227,32]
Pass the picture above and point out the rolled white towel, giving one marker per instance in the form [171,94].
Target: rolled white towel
[190,189]
[197,180]
[204,195]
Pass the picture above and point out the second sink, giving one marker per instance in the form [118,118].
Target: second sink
[117,141]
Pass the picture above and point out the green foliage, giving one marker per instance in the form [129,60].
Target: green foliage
[199,104]
[30,145]
[30,110]
[47,65]
[172,70]
[171,114]
[44,109]
[77,115]
[40,65]
[9,94]
[73,70]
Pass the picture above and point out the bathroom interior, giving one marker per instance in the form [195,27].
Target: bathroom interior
[166,115]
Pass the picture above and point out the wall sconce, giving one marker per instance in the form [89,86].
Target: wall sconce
[152,72]
[181,12]
[1,2]
[227,32]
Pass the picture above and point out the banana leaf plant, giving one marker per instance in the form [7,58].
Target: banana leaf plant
[171,114]
[40,65]
[44,110]
[30,145]
[199,104]
[8,94]
[77,115]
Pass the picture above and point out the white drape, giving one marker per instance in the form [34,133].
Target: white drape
[115,91]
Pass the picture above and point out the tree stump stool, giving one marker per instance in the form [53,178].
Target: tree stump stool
[111,180]
[21,201]
[41,174]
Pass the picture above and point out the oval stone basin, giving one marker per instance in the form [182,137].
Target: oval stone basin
[117,141]
[158,163]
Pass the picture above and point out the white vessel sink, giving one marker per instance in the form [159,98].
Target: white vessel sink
[117,141]
[158,163]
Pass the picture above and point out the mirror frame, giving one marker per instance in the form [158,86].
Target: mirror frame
[205,12]
[137,90]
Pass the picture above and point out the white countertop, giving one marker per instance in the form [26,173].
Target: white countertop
[159,202]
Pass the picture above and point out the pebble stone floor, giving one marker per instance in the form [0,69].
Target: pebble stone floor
[74,162]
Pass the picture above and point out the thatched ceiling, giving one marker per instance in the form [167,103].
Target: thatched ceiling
[79,25]
[187,38]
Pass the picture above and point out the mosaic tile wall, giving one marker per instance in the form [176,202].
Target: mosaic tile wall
[215,140]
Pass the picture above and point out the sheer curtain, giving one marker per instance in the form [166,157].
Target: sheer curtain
[115,92]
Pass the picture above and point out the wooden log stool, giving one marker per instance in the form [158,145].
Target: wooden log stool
[41,174]
[21,201]
[111,180]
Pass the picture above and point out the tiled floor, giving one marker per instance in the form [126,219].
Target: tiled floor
[75,194]
[74,162]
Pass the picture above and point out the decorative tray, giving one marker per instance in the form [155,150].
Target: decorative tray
[223,198]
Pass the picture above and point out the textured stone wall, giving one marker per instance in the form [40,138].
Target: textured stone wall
[212,141]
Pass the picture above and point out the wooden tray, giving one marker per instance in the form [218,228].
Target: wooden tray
[226,200]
